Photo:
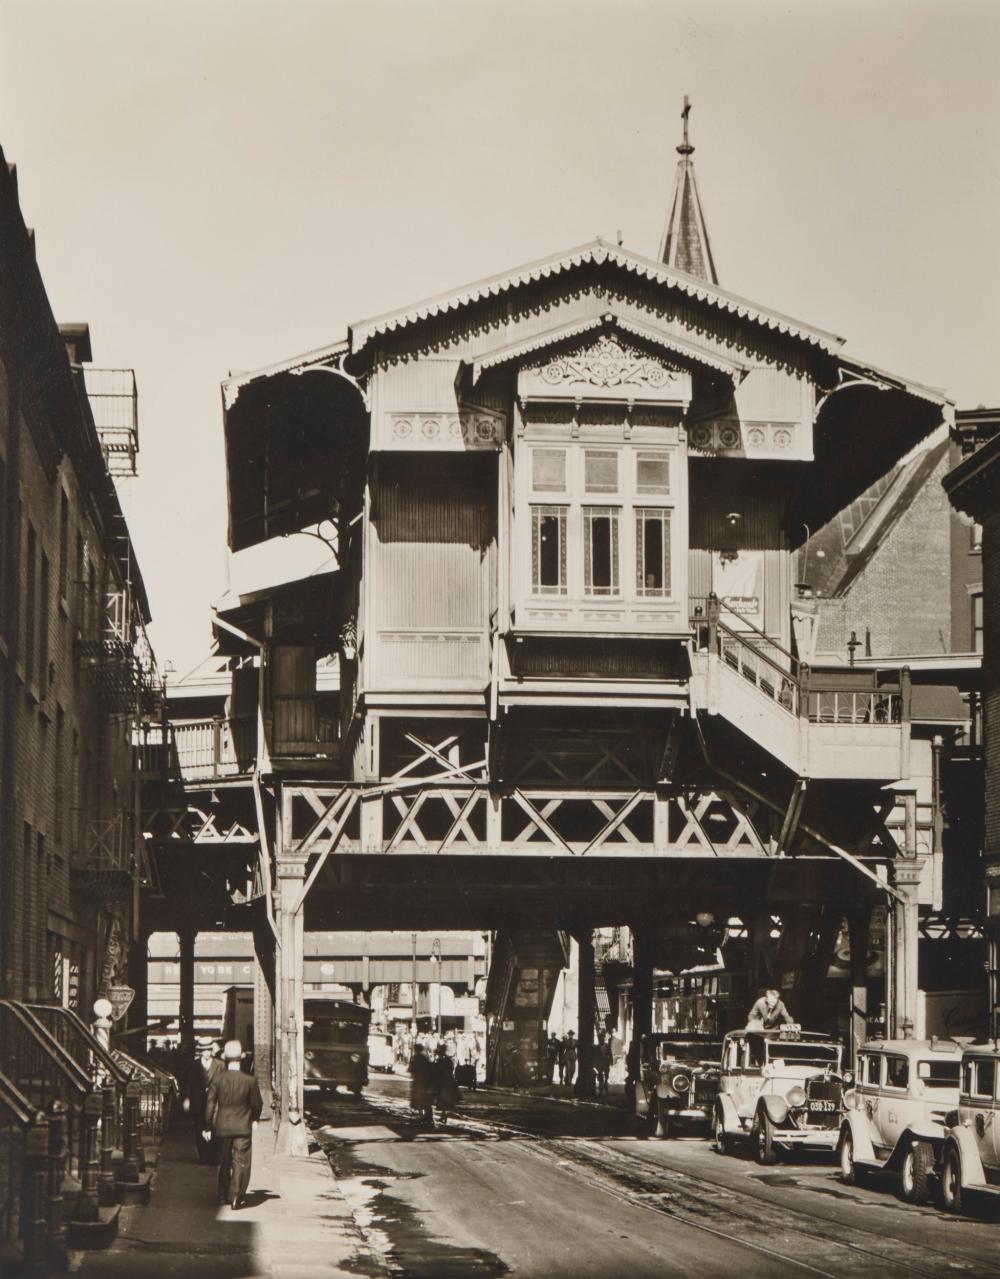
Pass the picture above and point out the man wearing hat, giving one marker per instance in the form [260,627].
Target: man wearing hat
[202,1072]
[233,1108]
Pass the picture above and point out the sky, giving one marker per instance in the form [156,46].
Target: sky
[219,185]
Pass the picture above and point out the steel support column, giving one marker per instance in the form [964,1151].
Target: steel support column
[291,873]
[186,939]
[906,875]
[860,926]
[642,1004]
[584,1086]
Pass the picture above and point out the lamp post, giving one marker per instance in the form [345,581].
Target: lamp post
[413,989]
[436,958]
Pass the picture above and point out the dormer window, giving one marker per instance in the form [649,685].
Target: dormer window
[598,512]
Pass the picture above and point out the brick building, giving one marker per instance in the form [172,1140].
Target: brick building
[974,489]
[898,543]
[75,670]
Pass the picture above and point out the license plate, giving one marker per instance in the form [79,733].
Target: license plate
[822,1105]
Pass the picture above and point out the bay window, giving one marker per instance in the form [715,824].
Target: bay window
[599,520]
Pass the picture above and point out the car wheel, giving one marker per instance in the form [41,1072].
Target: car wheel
[951,1181]
[917,1165]
[850,1173]
[762,1136]
[720,1138]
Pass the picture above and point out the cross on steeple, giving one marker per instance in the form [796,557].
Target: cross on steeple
[686,148]
[685,245]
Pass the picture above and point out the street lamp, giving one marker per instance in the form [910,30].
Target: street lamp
[436,958]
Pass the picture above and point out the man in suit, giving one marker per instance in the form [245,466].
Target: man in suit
[203,1071]
[231,1113]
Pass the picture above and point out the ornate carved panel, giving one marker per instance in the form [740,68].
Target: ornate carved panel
[730,437]
[606,369]
[448,432]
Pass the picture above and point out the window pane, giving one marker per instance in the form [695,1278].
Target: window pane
[548,550]
[985,1072]
[548,470]
[652,552]
[652,473]
[600,551]
[897,1072]
[600,471]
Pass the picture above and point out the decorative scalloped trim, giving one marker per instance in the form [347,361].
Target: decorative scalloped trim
[596,253]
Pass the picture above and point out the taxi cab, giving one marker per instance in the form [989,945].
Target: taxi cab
[782,1089]
[896,1112]
[970,1162]
[678,1082]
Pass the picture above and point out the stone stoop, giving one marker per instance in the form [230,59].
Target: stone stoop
[87,1235]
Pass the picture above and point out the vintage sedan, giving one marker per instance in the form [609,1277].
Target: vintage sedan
[781,1088]
[970,1161]
[896,1112]
[679,1082]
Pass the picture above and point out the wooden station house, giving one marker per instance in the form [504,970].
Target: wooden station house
[564,502]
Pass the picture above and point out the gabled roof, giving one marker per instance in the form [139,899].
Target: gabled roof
[597,252]
[604,317]
[973,486]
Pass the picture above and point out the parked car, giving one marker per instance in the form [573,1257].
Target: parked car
[970,1161]
[380,1051]
[679,1081]
[896,1112]
[781,1088]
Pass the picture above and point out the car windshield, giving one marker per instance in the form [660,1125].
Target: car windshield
[780,1052]
[687,1051]
[939,1074]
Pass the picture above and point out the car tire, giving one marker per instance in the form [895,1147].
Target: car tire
[918,1163]
[850,1173]
[721,1142]
[762,1137]
[951,1181]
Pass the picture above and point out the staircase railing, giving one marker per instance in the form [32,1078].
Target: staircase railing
[494,1028]
[50,1079]
[25,1148]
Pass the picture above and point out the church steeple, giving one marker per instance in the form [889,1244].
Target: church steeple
[685,243]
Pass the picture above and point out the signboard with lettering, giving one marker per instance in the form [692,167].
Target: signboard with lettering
[120,998]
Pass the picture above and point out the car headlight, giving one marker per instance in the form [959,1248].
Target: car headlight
[355,1057]
[309,1054]
[847,1078]
[796,1096]
[680,1083]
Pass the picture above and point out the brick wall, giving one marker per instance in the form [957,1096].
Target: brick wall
[903,595]
[53,479]
[991,680]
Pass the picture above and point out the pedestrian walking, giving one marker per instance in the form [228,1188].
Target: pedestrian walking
[552,1050]
[422,1084]
[445,1092]
[204,1069]
[602,1064]
[567,1059]
[231,1114]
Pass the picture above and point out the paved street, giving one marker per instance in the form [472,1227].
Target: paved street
[529,1187]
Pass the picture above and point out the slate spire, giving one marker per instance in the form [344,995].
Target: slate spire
[685,245]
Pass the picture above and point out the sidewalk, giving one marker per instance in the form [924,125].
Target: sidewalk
[295,1225]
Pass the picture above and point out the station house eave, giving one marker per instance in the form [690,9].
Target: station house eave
[297,432]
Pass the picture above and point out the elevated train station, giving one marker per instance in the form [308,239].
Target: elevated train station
[556,680]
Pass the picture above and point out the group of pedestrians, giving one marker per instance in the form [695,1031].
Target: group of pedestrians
[224,1104]
[563,1056]
[432,1083]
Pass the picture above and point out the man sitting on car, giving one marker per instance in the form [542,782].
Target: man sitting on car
[768,1013]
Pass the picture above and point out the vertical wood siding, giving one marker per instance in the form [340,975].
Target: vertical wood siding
[434,552]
